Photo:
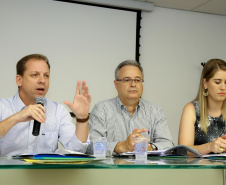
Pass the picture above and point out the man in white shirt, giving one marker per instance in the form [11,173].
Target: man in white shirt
[17,114]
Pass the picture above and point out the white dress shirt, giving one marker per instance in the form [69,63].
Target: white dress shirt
[58,127]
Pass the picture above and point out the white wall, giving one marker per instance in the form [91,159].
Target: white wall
[81,42]
[173,45]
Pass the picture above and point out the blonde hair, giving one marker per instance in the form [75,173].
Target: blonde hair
[209,69]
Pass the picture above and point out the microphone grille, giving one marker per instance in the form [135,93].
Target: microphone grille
[41,100]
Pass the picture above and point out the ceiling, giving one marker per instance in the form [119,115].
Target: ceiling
[217,7]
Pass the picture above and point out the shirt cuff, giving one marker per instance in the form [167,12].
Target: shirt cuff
[76,145]
[110,148]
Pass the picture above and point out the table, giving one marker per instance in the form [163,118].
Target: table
[158,171]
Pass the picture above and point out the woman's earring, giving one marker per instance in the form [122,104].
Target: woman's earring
[205,93]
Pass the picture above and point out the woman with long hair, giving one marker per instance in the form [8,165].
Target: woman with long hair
[202,125]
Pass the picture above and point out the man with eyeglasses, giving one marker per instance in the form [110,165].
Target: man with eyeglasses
[127,116]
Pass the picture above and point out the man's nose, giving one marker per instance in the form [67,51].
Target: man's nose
[42,78]
[133,83]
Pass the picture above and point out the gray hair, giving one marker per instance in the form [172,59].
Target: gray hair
[127,63]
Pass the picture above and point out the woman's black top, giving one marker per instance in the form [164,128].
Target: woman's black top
[215,127]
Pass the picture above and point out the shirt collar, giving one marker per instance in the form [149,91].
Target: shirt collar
[18,102]
[120,104]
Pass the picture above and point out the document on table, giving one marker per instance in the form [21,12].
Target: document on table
[59,154]
[215,156]
[60,161]
[179,150]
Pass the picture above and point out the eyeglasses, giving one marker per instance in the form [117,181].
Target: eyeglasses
[130,80]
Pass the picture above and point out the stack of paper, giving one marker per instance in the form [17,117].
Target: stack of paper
[177,151]
[60,156]
[221,156]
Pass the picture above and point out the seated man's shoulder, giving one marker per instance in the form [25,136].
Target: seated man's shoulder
[108,102]
[5,102]
[105,107]
[150,105]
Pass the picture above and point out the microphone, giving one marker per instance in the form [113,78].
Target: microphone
[36,126]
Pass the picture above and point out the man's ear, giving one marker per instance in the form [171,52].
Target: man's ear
[18,80]
[116,84]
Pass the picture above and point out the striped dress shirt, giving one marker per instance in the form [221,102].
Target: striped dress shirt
[111,119]
[58,127]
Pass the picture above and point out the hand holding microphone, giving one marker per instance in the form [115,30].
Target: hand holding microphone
[36,126]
